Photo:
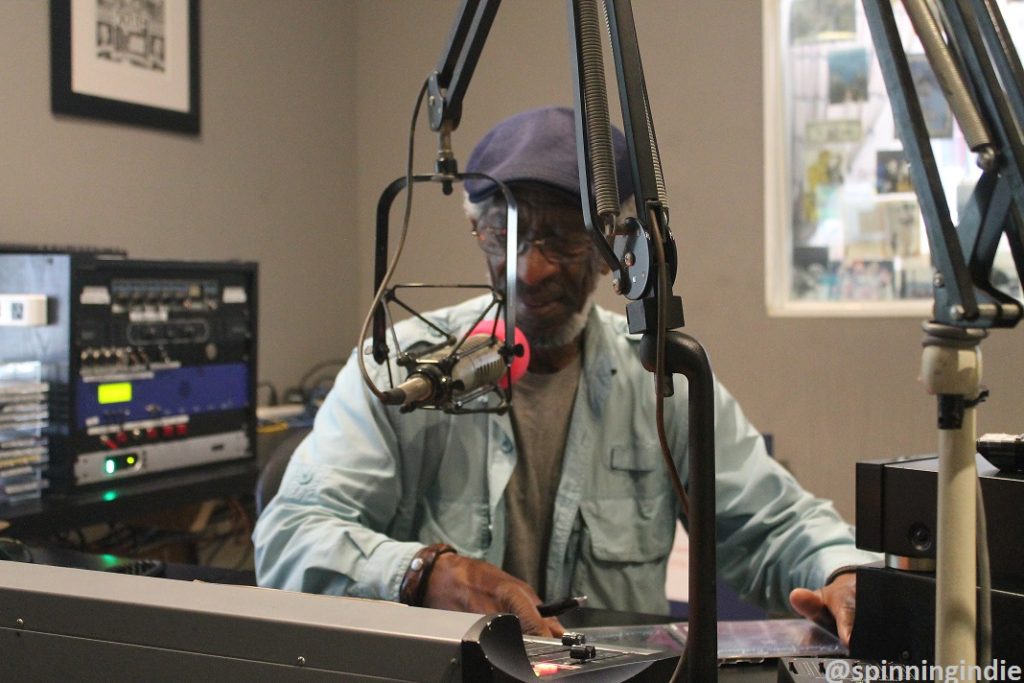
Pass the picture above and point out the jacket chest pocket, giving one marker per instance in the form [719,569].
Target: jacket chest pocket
[624,547]
[630,471]
[628,530]
[629,510]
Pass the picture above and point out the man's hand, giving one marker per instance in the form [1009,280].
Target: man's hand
[831,606]
[467,585]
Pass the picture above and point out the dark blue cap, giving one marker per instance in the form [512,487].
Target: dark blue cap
[537,146]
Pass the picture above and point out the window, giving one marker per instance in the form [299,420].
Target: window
[844,233]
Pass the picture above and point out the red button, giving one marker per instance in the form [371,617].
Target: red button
[182,429]
[122,437]
[168,430]
[546,669]
[152,433]
[108,442]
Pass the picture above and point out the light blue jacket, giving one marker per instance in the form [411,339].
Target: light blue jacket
[369,487]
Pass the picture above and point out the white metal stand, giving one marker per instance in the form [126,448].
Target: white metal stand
[951,369]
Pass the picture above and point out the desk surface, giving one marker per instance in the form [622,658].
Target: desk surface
[128,498]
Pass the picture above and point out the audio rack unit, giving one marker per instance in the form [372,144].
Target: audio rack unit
[150,365]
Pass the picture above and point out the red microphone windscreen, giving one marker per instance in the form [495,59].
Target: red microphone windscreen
[519,363]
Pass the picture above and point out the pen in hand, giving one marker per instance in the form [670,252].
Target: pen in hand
[560,606]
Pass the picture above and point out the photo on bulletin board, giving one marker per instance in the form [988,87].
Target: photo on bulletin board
[903,227]
[826,132]
[867,280]
[938,117]
[848,76]
[893,172]
[917,279]
[127,61]
[823,174]
[813,21]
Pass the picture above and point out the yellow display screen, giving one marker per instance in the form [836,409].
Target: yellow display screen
[119,392]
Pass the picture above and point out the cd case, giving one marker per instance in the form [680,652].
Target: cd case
[737,640]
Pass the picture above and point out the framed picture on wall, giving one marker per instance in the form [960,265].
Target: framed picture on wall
[130,61]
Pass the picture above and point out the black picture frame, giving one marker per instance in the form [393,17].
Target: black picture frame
[64,99]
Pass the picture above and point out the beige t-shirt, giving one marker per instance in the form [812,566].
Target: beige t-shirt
[541,411]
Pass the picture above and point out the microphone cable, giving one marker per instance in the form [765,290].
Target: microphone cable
[661,340]
[393,265]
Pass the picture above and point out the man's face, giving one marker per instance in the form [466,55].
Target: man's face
[557,271]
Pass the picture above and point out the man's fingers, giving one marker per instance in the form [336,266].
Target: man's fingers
[518,598]
[555,626]
[833,606]
[841,597]
[807,603]
[466,584]
[844,614]
[845,629]
[812,605]
[534,625]
[532,622]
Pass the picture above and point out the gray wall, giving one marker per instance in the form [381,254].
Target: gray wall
[269,179]
[306,108]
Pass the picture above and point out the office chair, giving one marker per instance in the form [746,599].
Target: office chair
[270,476]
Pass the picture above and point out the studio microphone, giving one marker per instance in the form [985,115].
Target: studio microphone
[448,374]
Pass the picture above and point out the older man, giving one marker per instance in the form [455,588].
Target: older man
[566,495]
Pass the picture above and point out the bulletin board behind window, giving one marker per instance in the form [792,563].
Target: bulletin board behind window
[844,232]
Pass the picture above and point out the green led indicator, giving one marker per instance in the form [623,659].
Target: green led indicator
[109,496]
[117,463]
[118,392]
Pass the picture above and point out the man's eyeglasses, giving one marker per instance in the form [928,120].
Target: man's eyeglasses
[557,249]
